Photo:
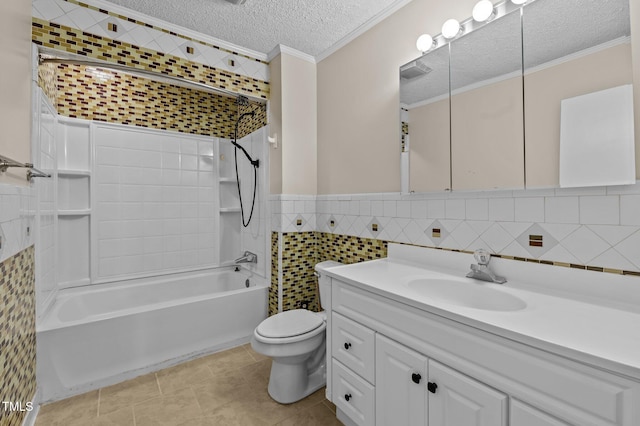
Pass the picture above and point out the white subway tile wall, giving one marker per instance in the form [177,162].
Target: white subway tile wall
[597,226]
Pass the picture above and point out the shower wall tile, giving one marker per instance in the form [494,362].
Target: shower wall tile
[17,335]
[143,227]
[136,32]
[254,236]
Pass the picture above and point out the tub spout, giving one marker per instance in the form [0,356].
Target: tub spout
[247,257]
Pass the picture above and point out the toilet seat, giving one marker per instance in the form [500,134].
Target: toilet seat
[290,326]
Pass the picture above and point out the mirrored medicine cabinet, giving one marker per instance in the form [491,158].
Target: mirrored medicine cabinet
[484,110]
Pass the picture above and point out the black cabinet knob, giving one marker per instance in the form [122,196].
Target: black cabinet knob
[416,377]
[347,345]
[432,387]
[347,397]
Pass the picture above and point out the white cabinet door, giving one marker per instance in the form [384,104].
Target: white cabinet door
[458,400]
[524,415]
[401,380]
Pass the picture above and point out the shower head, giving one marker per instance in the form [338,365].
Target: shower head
[237,1]
[242,100]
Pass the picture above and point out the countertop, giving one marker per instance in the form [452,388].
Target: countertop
[599,335]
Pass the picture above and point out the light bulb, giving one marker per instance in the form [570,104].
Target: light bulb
[518,1]
[482,11]
[424,43]
[450,28]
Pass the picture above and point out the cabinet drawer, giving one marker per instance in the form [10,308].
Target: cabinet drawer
[354,346]
[354,396]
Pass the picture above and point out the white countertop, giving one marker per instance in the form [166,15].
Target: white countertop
[601,335]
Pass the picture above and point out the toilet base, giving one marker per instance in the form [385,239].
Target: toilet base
[290,383]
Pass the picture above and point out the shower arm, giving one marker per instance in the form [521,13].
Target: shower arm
[256,162]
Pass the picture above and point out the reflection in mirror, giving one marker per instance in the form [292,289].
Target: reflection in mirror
[424,101]
[571,48]
[487,146]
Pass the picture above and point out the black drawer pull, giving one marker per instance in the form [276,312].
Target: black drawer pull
[347,397]
[432,387]
[416,378]
[347,345]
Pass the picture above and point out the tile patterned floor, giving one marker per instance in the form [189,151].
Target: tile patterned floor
[226,388]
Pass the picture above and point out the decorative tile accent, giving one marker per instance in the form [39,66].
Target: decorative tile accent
[299,256]
[147,25]
[374,227]
[349,249]
[436,233]
[275,266]
[17,334]
[93,94]
[69,39]
[48,82]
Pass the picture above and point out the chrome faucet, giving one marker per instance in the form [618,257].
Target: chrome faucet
[247,257]
[481,271]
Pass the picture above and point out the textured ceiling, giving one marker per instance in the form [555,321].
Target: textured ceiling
[310,26]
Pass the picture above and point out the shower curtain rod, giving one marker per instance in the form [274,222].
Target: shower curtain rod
[6,162]
[155,76]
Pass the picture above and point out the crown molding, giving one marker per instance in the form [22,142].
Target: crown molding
[390,10]
[281,48]
[195,35]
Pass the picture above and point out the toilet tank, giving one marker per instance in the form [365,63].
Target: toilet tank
[323,281]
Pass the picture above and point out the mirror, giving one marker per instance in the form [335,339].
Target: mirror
[424,101]
[508,80]
[571,48]
[487,130]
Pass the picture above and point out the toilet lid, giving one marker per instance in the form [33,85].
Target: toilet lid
[289,324]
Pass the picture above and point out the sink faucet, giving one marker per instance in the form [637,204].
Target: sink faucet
[247,257]
[481,271]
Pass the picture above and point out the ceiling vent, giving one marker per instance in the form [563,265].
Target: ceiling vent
[413,70]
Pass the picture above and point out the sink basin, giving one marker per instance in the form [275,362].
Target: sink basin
[466,294]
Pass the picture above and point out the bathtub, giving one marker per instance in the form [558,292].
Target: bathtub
[100,335]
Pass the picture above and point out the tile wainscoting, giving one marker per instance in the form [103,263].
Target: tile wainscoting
[587,228]
[17,303]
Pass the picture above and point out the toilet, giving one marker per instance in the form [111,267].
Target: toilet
[295,340]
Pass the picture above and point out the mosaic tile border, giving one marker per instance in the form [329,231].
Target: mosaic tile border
[67,39]
[164,30]
[299,256]
[275,267]
[86,93]
[17,334]
[531,260]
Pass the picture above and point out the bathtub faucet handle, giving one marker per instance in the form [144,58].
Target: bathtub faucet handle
[247,257]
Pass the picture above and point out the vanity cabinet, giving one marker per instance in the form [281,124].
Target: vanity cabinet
[414,390]
[487,380]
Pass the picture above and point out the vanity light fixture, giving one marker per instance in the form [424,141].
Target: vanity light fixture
[483,11]
[425,43]
[451,28]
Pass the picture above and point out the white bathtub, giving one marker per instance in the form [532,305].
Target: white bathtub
[93,337]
